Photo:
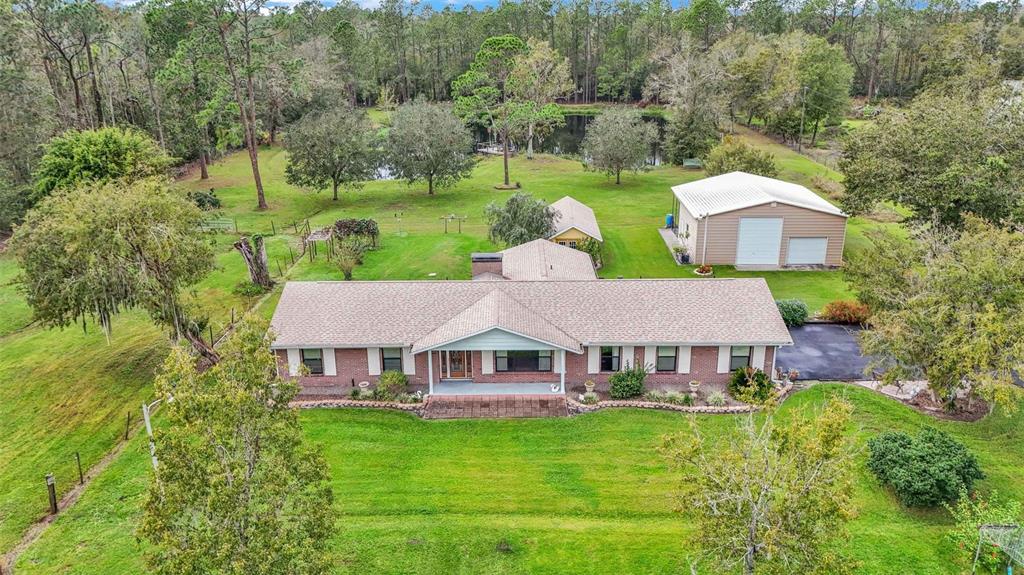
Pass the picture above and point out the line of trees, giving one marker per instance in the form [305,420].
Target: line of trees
[203,77]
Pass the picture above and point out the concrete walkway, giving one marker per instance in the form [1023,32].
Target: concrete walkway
[457,387]
[671,241]
[494,406]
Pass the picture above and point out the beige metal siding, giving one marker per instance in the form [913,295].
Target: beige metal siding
[797,223]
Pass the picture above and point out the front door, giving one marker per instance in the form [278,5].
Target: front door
[458,364]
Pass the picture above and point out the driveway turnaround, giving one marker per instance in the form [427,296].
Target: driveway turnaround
[823,351]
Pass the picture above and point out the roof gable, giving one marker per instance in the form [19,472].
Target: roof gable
[545,260]
[575,214]
[496,310]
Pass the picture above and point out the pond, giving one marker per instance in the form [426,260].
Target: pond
[566,140]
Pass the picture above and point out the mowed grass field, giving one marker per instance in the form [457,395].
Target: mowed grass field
[589,494]
[414,244]
[65,391]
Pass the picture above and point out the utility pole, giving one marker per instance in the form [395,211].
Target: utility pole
[803,112]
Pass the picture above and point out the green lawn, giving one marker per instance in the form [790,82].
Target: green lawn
[585,494]
[63,391]
[414,244]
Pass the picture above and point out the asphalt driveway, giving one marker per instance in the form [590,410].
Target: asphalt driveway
[823,351]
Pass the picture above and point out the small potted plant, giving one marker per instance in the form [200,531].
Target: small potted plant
[694,386]
[589,384]
[704,270]
[681,254]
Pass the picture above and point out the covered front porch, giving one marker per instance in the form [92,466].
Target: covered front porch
[496,372]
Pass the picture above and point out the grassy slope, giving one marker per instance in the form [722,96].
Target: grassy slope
[52,404]
[430,497]
[63,391]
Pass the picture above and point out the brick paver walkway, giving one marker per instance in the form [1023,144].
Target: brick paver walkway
[494,406]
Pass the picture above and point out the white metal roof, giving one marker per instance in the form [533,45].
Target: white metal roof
[738,190]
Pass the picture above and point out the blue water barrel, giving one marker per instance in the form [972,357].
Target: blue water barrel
[669,221]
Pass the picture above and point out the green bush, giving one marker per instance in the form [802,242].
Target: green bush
[628,383]
[669,397]
[751,385]
[923,471]
[793,311]
[589,398]
[973,510]
[390,385]
[248,289]
[204,200]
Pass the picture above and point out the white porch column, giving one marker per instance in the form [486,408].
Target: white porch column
[430,372]
[561,371]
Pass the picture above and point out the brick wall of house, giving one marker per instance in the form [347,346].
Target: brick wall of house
[352,367]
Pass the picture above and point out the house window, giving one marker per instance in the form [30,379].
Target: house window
[313,359]
[523,360]
[572,244]
[666,360]
[739,356]
[391,358]
[609,359]
[561,242]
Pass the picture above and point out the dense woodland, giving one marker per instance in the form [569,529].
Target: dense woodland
[206,75]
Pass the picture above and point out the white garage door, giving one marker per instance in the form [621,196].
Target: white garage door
[807,251]
[759,241]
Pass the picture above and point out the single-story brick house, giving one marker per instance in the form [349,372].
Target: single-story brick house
[522,335]
[756,222]
[574,223]
[537,260]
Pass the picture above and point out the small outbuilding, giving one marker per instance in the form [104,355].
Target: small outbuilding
[575,222]
[756,222]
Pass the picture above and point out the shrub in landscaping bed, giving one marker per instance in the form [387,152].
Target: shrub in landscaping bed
[391,384]
[924,470]
[628,383]
[669,397]
[751,385]
[589,398]
[793,311]
[716,399]
[845,311]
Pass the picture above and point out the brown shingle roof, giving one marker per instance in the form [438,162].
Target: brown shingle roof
[546,260]
[401,313]
[575,214]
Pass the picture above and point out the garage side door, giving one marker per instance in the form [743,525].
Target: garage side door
[807,251]
[759,241]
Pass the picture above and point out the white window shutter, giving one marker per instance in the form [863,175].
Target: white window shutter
[487,362]
[723,358]
[294,361]
[329,367]
[373,360]
[651,354]
[593,359]
[627,359]
[757,358]
[408,361]
[683,361]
